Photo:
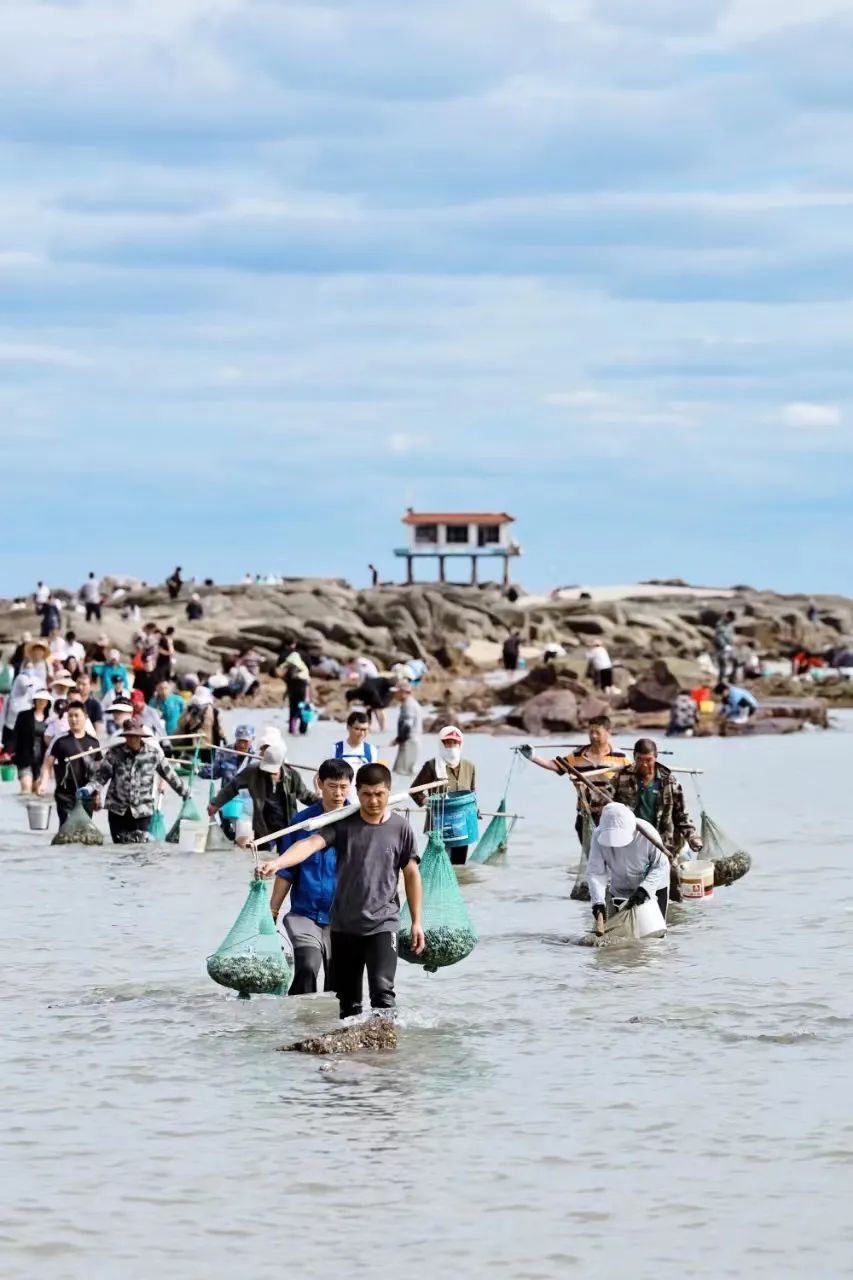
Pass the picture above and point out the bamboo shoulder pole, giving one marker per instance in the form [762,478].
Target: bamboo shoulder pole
[337,815]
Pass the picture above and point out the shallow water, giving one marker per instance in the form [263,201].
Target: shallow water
[680,1108]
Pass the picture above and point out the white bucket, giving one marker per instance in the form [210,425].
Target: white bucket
[648,919]
[188,839]
[38,815]
[244,829]
[697,880]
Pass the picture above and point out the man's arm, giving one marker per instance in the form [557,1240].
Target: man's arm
[227,792]
[542,761]
[280,890]
[596,874]
[681,819]
[167,773]
[298,852]
[414,897]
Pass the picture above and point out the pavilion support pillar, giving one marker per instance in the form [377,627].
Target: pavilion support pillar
[410,577]
[441,576]
[473,571]
[506,572]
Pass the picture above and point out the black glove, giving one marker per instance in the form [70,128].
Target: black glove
[526,751]
[637,898]
[598,910]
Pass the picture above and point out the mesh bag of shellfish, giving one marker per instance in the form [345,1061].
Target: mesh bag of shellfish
[730,860]
[78,827]
[449,934]
[251,959]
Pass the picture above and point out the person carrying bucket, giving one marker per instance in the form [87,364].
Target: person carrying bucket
[626,854]
[459,777]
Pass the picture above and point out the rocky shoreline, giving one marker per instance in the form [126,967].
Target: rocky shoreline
[656,637]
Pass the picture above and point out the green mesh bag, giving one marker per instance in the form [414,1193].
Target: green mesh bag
[495,839]
[450,936]
[157,825]
[188,813]
[252,960]
[78,828]
[580,888]
[730,861]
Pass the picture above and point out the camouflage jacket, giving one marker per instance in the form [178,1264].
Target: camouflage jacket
[671,817]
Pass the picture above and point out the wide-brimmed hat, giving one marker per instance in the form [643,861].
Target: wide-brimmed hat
[36,644]
[121,706]
[64,678]
[135,728]
[42,695]
[617,825]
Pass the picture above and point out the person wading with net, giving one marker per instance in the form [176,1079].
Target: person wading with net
[456,773]
[311,886]
[372,847]
[599,753]
[70,772]
[624,858]
[652,793]
[131,768]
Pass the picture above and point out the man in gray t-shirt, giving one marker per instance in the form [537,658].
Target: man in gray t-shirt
[372,847]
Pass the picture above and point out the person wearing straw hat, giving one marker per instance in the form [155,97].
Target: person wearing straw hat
[626,856]
[456,773]
[130,768]
[274,787]
[118,716]
[36,662]
[67,761]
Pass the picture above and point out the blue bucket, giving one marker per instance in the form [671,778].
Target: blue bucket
[233,809]
[455,817]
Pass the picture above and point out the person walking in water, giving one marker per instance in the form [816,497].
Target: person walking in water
[456,773]
[409,729]
[626,856]
[598,757]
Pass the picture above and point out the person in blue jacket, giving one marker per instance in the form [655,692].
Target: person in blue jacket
[311,886]
[737,704]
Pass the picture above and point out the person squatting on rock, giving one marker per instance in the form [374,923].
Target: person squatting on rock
[372,847]
[311,886]
[624,857]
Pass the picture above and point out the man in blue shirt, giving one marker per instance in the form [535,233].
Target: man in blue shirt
[737,704]
[311,885]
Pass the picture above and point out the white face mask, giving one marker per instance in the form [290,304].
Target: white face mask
[451,756]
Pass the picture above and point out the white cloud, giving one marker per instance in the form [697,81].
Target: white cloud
[802,413]
[33,353]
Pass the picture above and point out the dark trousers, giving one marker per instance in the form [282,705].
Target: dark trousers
[458,855]
[307,962]
[64,805]
[124,827]
[93,610]
[351,955]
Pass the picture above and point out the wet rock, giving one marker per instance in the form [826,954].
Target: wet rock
[376,1035]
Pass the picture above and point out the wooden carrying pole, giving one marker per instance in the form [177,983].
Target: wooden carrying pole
[337,815]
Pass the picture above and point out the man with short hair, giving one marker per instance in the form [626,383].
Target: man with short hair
[355,748]
[169,705]
[131,767]
[651,792]
[94,710]
[311,886]
[90,594]
[372,847]
[274,788]
[736,704]
[67,761]
[597,755]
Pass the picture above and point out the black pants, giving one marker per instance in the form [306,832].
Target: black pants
[307,962]
[93,610]
[458,855]
[124,825]
[229,826]
[64,805]
[351,954]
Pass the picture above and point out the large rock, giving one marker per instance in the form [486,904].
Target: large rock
[554,711]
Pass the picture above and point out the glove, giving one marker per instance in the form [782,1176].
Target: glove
[695,843]
[637,898]
[526,751]
[598,910]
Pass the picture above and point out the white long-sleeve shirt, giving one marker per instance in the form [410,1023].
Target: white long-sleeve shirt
[627,867]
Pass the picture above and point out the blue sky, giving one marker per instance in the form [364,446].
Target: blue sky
[269,273]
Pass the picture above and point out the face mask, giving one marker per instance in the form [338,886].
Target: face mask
[451,756]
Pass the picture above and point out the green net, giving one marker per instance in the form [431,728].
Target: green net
[188,812]
[494,839]
[580,888]
[252,960]
[157,825]
[731,862]
[450,936]
[78,828]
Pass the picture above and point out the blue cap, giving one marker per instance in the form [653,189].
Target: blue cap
[244,731]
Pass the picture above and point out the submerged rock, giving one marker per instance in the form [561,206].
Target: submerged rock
[377,1034]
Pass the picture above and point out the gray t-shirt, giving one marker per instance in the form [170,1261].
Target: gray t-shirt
[369,860]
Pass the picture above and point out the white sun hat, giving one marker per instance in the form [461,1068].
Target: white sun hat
[617,825]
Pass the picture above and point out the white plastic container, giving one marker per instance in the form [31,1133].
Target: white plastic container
[648,920]
[697,880]
[190,834]
[244,829]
